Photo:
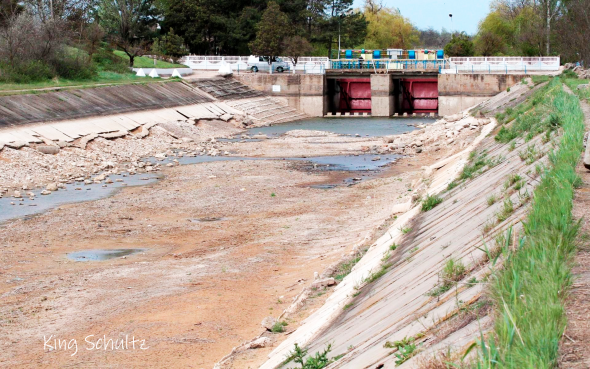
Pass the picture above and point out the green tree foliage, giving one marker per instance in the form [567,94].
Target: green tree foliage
[295,47]
[272,29]
[387,28]
[460,45]
[130,24]
[170,45]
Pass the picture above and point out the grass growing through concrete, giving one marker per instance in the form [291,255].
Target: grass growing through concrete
[532,117]
[430,202]
[529,292]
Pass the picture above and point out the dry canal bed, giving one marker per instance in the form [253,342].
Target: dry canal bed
[223,245]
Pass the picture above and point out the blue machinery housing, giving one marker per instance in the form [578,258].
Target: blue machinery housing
[391,59]
[389,64]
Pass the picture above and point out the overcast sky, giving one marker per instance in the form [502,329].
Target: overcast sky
[435,13]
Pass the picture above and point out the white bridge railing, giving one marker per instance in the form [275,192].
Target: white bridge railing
[305,64]
[500,64]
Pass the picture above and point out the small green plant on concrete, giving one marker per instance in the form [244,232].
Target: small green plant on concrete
[524,197]
[405,230]
[439,290]
[491,200]
[488,226]
[378,274]
[430,202]
[406,348]
[318,361]
[414,249]
[273,194]
[345,268]
[347,306]
[452,185]
[393,246]
[472,282]
[279,326]
[512,145]
[519,185]
[476,162]
[507,209]
[512,179]
[530,154]
[453,271]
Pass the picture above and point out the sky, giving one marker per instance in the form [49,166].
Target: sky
[435,13]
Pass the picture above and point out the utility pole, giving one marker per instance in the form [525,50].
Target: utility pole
[339,18]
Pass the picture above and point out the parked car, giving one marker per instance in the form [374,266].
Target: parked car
[260,63]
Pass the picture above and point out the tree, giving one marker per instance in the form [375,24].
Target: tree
[460,45]
[388,29]
[495,35]
[170,45]
[129,23]
[433,39]
[272,29]
[572,30]
[295,47]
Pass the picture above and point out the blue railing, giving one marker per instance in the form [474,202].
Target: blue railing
[340,64]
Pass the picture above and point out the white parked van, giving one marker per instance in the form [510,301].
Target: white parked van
[260,63]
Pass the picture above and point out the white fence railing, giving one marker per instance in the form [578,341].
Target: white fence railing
[500,64]
[305,64]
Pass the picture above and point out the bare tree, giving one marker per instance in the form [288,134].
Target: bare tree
[17,38]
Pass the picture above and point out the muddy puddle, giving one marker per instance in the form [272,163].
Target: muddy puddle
[365,127]
[72,193]
[102,255]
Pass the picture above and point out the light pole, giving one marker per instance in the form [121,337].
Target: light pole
[339,19]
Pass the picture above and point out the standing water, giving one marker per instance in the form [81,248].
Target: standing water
[366,127]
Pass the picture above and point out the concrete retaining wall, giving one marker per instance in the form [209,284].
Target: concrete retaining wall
[304,92]
[457,92]
[74,104]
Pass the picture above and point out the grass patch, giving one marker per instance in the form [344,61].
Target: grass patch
[491,200]
[506,211]
[453,271]
[478,162]
[145,62]
[532,117]
[279,327]
[430,202]
[530,291]
[345,268]
[452,185]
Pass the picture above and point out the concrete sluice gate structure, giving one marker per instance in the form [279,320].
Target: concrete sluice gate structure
[351,93]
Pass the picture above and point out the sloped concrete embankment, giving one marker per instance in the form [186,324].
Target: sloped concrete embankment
[365,312]
[62,117]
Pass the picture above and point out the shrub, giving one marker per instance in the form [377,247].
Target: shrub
[430,202]
[106,60]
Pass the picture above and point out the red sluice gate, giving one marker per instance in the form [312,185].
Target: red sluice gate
[355,95]
[420,95]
